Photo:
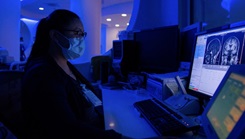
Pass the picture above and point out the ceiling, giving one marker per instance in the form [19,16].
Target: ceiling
[30,10]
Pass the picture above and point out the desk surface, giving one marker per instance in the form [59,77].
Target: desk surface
[121,115]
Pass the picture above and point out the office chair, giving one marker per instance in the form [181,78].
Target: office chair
[100,67]
[17,65]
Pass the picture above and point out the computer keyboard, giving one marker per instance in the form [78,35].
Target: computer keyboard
[163,119]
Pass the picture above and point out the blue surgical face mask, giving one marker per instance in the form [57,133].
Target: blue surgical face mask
[76,47]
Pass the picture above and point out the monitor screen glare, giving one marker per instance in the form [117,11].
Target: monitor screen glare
[214,53]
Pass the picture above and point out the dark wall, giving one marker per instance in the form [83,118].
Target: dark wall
[216,13]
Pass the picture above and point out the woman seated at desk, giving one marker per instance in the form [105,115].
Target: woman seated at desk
[52,97]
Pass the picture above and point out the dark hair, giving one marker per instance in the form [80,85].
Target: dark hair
[57,20]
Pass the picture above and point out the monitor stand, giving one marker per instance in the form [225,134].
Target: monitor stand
[183,102]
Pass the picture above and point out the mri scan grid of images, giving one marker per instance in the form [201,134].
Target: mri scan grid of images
[224,50]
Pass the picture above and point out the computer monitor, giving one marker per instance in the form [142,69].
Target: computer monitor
[214,52]
[187,41]
[224,116]
[124,58]
[158,49]
[117,49]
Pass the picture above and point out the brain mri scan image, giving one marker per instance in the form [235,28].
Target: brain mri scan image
[212,53]
[230,51]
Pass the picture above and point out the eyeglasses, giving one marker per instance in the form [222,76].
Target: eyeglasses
[78,33]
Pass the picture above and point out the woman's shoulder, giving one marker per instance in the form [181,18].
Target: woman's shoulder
[41,66]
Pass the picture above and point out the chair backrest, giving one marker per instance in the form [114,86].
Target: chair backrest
[96,62]
[17,65]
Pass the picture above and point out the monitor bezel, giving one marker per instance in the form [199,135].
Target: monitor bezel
[238,69]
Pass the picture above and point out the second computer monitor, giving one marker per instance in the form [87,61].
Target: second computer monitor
[158,49]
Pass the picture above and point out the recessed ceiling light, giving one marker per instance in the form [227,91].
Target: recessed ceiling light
[108,19]
[123,15]
[117,25]
[41,8]
[127,24]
